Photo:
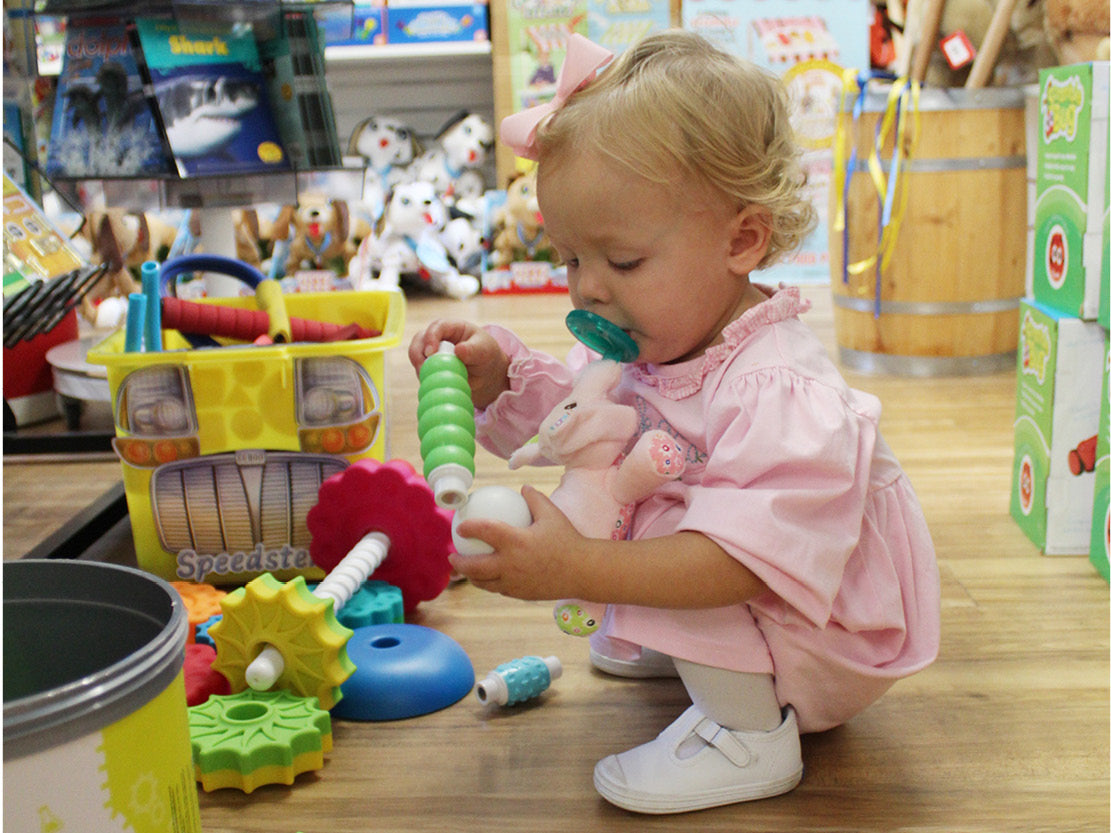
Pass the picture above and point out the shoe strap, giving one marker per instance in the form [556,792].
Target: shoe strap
[724,741]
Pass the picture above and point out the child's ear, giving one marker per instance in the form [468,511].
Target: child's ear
[750,234]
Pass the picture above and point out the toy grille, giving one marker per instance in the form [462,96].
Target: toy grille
[228,503]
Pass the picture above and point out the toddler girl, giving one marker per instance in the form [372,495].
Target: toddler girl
[788,577]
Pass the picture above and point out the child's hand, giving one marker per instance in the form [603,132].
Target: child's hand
[535,563]
[487,366]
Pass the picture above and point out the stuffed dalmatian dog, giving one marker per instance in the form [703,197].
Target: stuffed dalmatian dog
[407,243]
[464,245]
[454,164]
[388,148]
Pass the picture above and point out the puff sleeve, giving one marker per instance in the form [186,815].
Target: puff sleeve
[786,481]
[537,382]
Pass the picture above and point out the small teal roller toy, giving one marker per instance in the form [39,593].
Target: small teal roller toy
[445,425]
[518,680]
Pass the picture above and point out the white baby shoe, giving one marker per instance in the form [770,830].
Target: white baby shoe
[648,665]
[676,773]
[624,659]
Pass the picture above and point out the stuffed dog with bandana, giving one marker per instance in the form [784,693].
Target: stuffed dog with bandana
[406,243]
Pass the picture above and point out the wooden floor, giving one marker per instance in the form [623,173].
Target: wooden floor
[1007,731]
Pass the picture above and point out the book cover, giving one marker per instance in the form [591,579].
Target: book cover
[281,85]
[294,67]
[308,41]
[211,93]
[617,25]
[103,123]
[538,33]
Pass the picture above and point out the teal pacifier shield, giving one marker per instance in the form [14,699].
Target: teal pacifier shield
[601,335]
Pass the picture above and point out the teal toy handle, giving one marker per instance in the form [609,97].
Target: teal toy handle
[445,425]
[518,680]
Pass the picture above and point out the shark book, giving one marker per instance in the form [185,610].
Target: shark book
[212,100]
[104,123]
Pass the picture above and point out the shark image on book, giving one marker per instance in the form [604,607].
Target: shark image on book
[212,98]
[104,123]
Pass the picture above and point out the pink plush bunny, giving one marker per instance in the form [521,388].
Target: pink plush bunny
[588,432]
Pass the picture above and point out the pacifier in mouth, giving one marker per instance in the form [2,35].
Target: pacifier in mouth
[601,335]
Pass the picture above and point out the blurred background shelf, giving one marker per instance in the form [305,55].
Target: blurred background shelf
[407,51]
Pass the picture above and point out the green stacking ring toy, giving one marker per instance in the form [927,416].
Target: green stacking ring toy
[445,425]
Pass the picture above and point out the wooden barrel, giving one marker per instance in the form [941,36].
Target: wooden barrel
[949,297]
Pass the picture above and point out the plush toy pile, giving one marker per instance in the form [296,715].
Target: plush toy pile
[1078,30]
[407,243]
[421,215]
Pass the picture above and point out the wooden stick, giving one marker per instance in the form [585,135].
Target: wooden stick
[907,13]
[993,41]
[927,35]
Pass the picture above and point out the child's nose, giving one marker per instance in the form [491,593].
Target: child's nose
[591,285]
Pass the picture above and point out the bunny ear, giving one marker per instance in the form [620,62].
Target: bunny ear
[527,455]
[597,379]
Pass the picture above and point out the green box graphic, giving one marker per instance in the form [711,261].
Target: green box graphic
[1101,507]
[1104,316]
[1060,365]
[1071,188]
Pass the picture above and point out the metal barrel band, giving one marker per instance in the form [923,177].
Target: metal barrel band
[987,306]
[935,166]
[925,366]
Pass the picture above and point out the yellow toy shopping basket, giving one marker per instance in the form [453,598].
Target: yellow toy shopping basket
[224,448]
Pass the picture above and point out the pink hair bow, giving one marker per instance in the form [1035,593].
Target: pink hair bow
[580,64]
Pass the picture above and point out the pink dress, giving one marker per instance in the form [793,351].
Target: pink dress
[785,470]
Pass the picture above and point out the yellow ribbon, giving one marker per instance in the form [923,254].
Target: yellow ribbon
[841,140]
[901,125]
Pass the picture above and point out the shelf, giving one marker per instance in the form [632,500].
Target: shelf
[404,51]
[202,192]
[241,9]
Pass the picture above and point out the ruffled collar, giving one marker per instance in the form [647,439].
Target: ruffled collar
[678,381]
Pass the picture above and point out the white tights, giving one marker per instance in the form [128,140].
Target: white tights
[734,699]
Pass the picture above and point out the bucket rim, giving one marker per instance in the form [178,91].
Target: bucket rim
[110,351]
[72,710]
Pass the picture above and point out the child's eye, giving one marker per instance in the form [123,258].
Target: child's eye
[625,265]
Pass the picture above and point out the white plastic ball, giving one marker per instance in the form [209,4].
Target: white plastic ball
[498,503]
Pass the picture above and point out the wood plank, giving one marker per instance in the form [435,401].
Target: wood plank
[1007,731]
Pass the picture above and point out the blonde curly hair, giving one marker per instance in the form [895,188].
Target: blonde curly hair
[674,107]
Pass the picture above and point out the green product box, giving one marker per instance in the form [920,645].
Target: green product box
[1060,365]
[1104,315]
[1101,506]
[1071,188]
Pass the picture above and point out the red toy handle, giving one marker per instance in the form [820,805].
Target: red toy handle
[213,319]
[248,324]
